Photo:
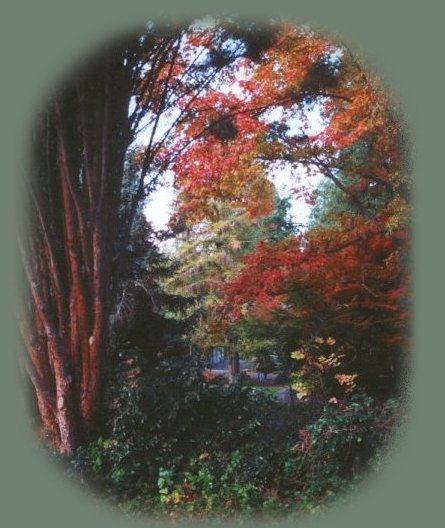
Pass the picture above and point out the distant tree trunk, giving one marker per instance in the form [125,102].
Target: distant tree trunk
[233,364]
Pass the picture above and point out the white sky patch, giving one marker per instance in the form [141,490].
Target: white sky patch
[285,183]
[283,179]
[159,206]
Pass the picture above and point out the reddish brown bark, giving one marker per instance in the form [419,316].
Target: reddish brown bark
[70,258]
[78,162]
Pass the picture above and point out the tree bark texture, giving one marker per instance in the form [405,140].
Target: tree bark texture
[76,172]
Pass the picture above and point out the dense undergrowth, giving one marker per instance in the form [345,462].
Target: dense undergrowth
[183,446]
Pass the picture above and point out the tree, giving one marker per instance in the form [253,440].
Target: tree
[79,149]
[208,253]
[347,274]
[72,254]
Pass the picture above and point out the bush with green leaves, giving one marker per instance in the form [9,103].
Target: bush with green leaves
[338,448]
[162,418]
[181,444]
[330,456]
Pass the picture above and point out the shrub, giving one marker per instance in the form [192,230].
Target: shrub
[338,447]
[179,444]
[163,418]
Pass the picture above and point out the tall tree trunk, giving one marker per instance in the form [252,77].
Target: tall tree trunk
[77,166]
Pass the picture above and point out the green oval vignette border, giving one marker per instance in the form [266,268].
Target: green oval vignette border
[402,41]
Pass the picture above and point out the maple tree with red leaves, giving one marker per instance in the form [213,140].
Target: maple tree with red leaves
[349,276]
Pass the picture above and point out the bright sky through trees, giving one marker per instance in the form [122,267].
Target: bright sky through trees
[160,202]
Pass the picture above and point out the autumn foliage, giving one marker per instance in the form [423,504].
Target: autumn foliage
[346,276]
